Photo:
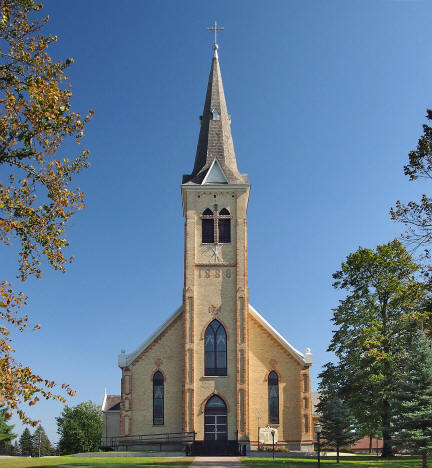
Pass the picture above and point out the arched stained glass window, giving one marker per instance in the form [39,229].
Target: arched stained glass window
[215,346]
[207,224]
[224,225]
[273,398]
[158,399]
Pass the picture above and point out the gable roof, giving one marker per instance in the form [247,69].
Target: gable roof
[215,175]
[125,360]
[111,403]
[304,359]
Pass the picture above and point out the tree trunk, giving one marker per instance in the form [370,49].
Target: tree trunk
[370,444]
[424,460]
[387,450]
[337,453]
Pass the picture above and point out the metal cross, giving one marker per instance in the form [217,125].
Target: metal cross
[216,28]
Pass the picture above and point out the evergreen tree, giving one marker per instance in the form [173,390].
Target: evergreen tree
[6,434]
[337,425]
[15,451]
[413,400]
[26,444]
[41,444]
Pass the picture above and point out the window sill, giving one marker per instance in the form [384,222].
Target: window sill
[209,377]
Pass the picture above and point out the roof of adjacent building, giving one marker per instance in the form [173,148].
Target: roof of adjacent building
[215,140]
[111,403]
[315,397]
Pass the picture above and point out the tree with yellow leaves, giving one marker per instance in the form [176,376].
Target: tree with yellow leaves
[36,197]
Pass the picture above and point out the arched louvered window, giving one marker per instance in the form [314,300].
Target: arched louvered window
[207,224]
[215,349]
[273,398]
[224,226]
[158,399]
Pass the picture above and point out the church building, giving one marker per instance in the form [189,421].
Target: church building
[216,372]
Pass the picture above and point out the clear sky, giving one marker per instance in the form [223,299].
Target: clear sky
[326,98]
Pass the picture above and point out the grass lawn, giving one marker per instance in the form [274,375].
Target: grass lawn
[330,462]
[97,461]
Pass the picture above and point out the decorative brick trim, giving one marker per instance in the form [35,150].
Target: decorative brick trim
[157,339]
[204,402]
[209,322]
[276,341]
[158,369]
[269,372]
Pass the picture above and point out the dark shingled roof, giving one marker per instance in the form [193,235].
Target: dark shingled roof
[111,403]
[215,140]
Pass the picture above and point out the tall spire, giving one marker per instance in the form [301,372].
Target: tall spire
[215,140]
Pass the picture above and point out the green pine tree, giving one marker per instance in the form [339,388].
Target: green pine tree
[26,445]
[413,400]
[337,425]
[6,434]
[41,444]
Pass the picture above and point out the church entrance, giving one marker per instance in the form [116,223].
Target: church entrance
[215,431]
[215,420]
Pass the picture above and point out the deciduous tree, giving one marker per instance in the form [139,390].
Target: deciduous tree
[417,215]
[80,428]
[36,196]
[375,323]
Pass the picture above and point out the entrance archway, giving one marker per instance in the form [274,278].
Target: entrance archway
[215,419]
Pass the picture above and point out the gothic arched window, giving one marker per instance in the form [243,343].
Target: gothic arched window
[215,349]
[273,398]
[207,224]
[224,226]
[158,399]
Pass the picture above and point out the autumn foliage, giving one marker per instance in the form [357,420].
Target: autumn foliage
[36,197]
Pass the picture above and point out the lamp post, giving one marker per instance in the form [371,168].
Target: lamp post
[273,433]
[318,429]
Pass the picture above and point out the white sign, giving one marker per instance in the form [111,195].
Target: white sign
[265,435]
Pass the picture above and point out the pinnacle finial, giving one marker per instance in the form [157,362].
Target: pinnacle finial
[215,28]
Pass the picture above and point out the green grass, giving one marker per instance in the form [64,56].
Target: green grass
[330,462]
[116,462]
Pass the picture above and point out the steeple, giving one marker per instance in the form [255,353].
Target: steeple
[215,140]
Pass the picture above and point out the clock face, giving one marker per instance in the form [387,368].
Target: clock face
[212,253]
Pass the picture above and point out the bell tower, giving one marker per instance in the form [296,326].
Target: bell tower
[215,297]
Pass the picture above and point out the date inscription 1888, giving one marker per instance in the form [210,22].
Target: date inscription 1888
[213,273]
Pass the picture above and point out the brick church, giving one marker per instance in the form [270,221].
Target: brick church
[216,371]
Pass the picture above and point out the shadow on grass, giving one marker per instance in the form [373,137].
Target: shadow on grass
[117,462]
[330,462]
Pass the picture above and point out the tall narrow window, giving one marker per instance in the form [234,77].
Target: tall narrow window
[207,224]
[215,349]
[273,398]
[224,225]
[158,399]
[305,383]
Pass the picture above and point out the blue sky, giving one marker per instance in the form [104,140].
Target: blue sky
[326,98]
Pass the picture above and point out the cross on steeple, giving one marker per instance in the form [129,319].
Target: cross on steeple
[216,28]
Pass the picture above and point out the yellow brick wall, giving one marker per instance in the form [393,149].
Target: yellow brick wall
[213,285]
[265,355]
[166,355]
